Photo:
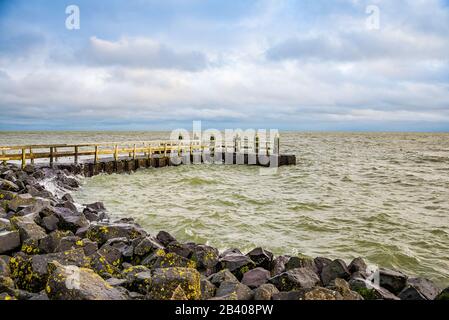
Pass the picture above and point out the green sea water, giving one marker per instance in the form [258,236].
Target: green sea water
[381,196]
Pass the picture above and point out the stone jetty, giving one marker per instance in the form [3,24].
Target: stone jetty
[53,248]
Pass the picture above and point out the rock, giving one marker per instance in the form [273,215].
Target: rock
[28,229]
[4,266]
[165,238]
[8,185]
[221,276]
[181,249]
[161,259]
[342,287]
[322,294]
[102,232]
[237,263]
[165,281]
[115,282]
[49,223]
[335,269]
[262,258]
[207,289]
[123,246]
[49,243]
[265,292]
[206,258]
[419,289]
[289,295]
[230,251]
[96,206]
[301,262]
[73,283]
[5,296]
[140,282]
[256,277]
[369,291]
[295,279]
[30,272]
[7,195]
[5,225]
[392,280]
[67,197]
[320,262]
[68,182]
[9,241]
[146,246]
[357,265]
[6,283]
[444,295]
[70,220]
[278,265]
[21,201]
[236,289]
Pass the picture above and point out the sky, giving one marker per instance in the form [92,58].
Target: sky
[275,64]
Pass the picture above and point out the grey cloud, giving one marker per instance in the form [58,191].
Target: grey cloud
[142,53]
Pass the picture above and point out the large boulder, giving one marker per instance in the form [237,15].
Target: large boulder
[444,295]
[165,238]
[333,270]
[321,294]
[230,290]
[146,246]
[301,262]
[320,262]
[206,258]
[419,289]
[102,232]
[265,292]
[237,263]
[165,281]
[261,257]
[221,276]
[357,265]
[207,289]
[8,185]
[392,280]
[256,277]
[74,283]
[342,287]
[161,259]
[30,272]
[369,291]
[51,242]
[22,201]
[9,241]
[70,219]
[295,279]
[278,265]
[27,228]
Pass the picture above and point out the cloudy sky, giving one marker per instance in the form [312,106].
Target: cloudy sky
[147,64]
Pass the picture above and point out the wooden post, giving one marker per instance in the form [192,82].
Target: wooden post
[134,152]
[276,145]
[51,156]
[31,156]
[256,144]
[267,148]
[165,150]
[212,147]
[96,155]
[116,153]
[56,154]
[76,155]
[24,157]
[4,155]
[150,153]
[236,144]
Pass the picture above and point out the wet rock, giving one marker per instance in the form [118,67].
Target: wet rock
[265,292]
[73,283]
[235,289]
[237,263]
[161,259]
[392,280]
[262,258]
[96,206]
[30,272]
[256,277]
[8,185]
[207,289]
[147,246]
[221,276]
[444,295]
[357,265]
[206,258]
[68,182]
[165,281]
[124,246]
[27,228]
[320,262]
[9,241]
[102,232]
[419,289]
[342,287]
[335,269]
[301,262]
[67,197]
[165,238]
[295,279]
[278,265]
[370,291]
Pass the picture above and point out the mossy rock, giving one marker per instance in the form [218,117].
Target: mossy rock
[165,281]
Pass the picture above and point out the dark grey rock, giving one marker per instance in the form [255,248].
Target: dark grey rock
[237,263]
[165,238]
[295,279]
[265,292]
[256,277]
[261,257]
[335,269]
[9,241]
[419,289]
[392,280]
[236,289]
[207,289]
[221,276]
[278,265]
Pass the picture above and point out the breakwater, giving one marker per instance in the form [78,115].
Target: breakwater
[54,248]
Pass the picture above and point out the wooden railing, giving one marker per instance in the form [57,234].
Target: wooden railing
[53,152]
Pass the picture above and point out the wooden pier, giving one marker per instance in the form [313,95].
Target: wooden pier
[129,156]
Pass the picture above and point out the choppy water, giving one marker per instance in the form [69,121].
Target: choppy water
[384,197]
